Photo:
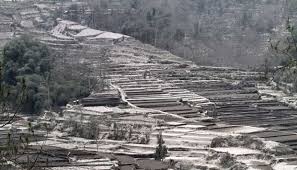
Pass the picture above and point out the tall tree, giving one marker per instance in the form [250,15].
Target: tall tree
[161,150]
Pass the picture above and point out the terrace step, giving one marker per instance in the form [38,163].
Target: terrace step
[150,92]
[152,100]
[287,158]
[154,104]
[175,108]
[181,113]
[195,115]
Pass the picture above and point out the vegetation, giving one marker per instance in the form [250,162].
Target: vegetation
[30,63]
[291,7]
[133,134]
[205,31]
[285,55]
[26,60]
[161,150]
[13,143]
[31,81]
[90,130]
[69,82]
[100,128]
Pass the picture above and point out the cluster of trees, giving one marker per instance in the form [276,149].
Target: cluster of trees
[205,31]
[26,62]
[284,52]
[29,68]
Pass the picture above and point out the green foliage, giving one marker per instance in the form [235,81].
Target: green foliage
[27,61]
[15,142]
[192,28]
[161,150]
[68,85]
[286,52]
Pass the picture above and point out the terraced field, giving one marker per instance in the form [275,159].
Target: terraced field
[216,98]
[231,92]
[195,104]
[242,105]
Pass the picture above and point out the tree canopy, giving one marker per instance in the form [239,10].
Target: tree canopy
[29,61]
[285,53]
[25,59]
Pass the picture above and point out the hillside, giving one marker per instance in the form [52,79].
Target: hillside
[224,33]
[210,117]
[221,33]
[185,97]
